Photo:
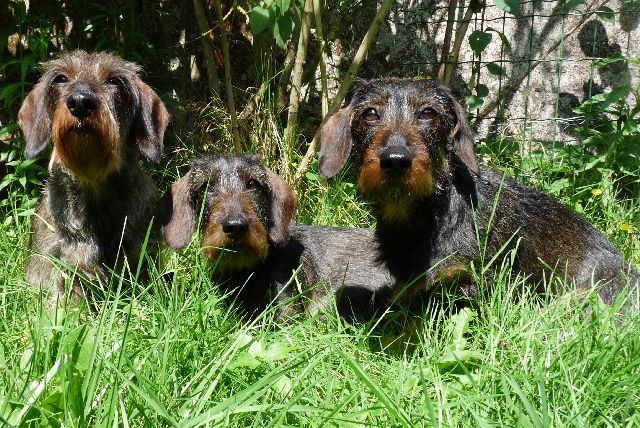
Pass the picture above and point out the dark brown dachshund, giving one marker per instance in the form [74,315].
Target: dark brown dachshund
[434,205]
[99,200]
[247,232]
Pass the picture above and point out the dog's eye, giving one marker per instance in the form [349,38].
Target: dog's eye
[116,81]
[370,115]
[253,184]
[427,114]
[60,78]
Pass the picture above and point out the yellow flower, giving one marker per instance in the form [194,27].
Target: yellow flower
[596,192]
[626,228]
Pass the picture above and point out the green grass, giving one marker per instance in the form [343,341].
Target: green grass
[178,355]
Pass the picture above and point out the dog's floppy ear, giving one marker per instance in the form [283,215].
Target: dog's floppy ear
[284,206]
[35,121]
[462,140]
[335,142]
[176,214]
[150,121]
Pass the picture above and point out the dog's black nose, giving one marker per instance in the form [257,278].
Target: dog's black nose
[235,227]
[82,104]
[395,160]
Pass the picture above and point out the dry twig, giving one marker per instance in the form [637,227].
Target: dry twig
[298,70]
[227,77]
[207,48]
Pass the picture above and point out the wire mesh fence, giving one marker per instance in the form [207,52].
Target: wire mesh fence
[522,74]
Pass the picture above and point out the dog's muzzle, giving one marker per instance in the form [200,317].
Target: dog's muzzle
[396,160]
[235,227]
[82,104]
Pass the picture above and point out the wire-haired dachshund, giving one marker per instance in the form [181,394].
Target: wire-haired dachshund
[99,199]
[437,211]
[245,213]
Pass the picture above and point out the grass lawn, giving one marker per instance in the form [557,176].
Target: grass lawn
[175,354]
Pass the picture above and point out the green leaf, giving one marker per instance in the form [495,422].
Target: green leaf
[558,185]
[495,69]
[25,164]
[606,14]
[283,29]
[75,401]
[245,360]
[283,386]
[510,6]
[572,3]
[25,66]
[6,181]
[258,20]
[482,90]
[277,351]
[26,358]
[312,176]
[505,42]
[256,349]
[244,339]
[479,40]
[474,102]
[10,89]
[284,4]
[82,353]
[598,160]
[8,128]
[78,344]
[616,94]
[55,401]
[460,325]
[453,359]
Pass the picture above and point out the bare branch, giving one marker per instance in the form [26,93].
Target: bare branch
[227,77]
[451,15]
[283,81]
[457,44]
[298,69]
[207,48]
[317,12]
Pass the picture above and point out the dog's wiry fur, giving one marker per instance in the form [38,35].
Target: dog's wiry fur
[247,231]
[99,115]
[413,147]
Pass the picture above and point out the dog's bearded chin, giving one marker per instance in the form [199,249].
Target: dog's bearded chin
[238,257]
[81,151]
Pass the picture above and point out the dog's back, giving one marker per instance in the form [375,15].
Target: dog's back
[342,262]
[553,237]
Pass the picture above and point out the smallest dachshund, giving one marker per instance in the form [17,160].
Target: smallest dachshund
[247,228]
